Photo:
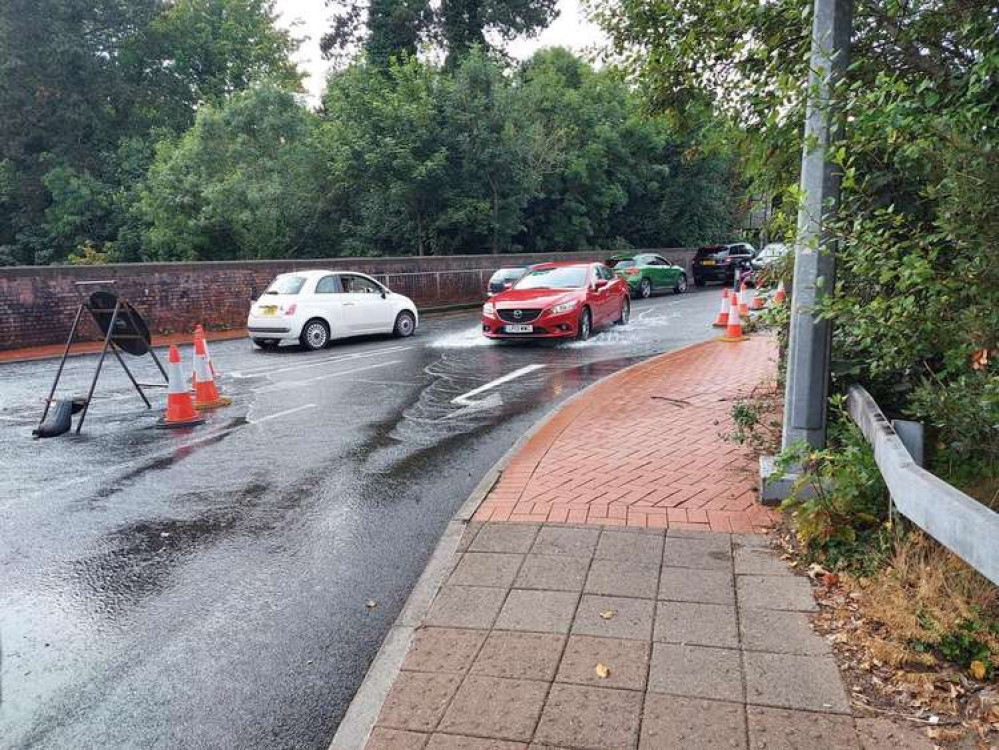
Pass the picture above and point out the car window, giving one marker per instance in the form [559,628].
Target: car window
[506,274]
[629,263]
[328,285]
[710,252]
[658,260]
[557,277]
[286,285]
[603,272]
[359,285]
[645,260]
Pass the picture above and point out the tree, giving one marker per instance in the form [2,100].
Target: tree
[78,79]
[391,28]
[244,182]
[385,133]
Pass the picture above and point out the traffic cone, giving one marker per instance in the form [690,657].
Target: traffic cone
[756,301]
[199,333]
[180,410]
[781,295]
[206,395]
[743,300]
[722,320]
[733,332]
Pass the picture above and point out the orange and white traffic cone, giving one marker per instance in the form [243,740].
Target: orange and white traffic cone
[180,411]
[206,395]
[743,300]
[780,295]
[722,320]
[755,300]
[733,332]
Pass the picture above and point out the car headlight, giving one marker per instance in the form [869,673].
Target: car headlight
[489,309]
[564,307]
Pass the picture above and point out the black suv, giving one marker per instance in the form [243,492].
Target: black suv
[505,278]
[721,262]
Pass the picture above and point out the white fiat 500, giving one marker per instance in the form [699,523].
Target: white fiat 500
[314,307]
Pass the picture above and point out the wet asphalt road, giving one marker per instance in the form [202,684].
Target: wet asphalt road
[206,588]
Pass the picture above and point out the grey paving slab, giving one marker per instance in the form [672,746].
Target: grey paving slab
[760,561]
[760,541]
[442,650]
[495,708]
[686,552]
[527,656]
[687,585]
[626,662]
[697,624]
[465,607]
[471,529]
[614,617]
[630,547]
[562,540]
[673,722]
[417,700]
[612,578]
[780,632]
[486,569]
[504,537]
[583,716]
[791,593]
[553,572]
[696,672]
[538,611]
[396,739]
[812,683]
[456,742]
[710,540]
[781,729]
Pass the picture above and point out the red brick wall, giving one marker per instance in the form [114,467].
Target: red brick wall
[37,303]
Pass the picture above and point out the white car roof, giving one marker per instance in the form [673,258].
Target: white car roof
[312,273]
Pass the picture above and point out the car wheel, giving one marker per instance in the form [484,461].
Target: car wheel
[585,327]
[645,288]
[266,343]
[625,315]
[699,281]
[315,335]
[681,285]
[405,324]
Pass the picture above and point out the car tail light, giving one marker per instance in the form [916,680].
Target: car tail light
[631,271]
[290,309]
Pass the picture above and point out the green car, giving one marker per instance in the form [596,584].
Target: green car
[647,273]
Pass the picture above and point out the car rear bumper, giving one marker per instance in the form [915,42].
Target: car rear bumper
[272,327]
[713,273]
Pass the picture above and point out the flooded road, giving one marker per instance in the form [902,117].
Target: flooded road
[208,587]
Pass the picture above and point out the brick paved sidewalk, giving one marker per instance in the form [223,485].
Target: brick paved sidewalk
[704,637]
[645,448]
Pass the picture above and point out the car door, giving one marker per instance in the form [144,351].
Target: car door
[327,300]
[366,308]
[669,273]
[606,299]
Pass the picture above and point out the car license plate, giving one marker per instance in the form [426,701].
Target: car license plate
[520,328]
[707,262]
[268,310]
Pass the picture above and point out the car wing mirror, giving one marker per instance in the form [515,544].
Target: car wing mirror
[600,284]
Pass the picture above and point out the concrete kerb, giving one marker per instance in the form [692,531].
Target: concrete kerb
[360,717]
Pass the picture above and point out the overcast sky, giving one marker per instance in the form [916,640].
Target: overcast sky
[309,18]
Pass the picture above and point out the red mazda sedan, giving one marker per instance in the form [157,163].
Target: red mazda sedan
[558,300]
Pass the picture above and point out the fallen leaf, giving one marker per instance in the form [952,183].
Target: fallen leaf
[977,670]
[602,670]
[607,614]
[371,604]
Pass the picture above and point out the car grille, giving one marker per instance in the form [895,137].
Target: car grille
[510,316]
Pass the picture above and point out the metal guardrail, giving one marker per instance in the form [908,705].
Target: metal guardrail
[959,522]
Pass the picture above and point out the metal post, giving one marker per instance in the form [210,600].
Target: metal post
[100,363]
[62,363]
[814,254]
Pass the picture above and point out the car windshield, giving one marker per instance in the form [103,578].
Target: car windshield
[629,263]
[559,277]
[507,274]
[286,285]
[706,252]
[772,251]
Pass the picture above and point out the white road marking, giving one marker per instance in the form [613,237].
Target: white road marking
[277,415]
[257,372]
[284,385]
[464,399]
